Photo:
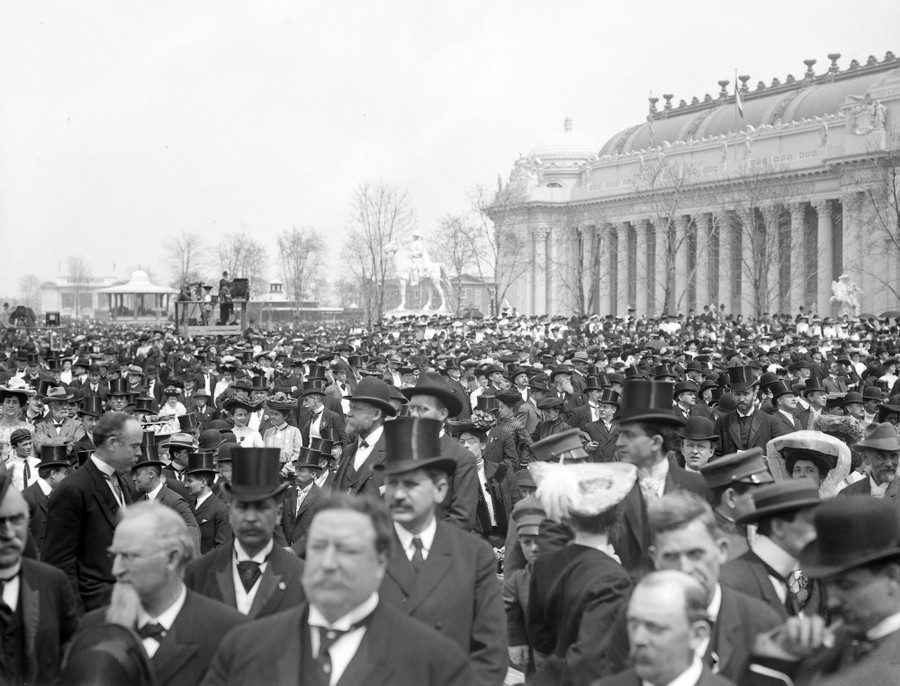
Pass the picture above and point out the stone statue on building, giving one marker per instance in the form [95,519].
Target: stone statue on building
[413,266]
[845,294]
[866,115]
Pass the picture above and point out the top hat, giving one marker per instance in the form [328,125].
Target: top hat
[314,386]
[433,384]
[188,422]
[647,401]
[118,387]
[789,495]
[259,383]
[608,397]
[201,462]
[413,443]
[309,458]
[143,404]
[746,467]
[813,385]
[741,378]
[256,474]
[596,383]
[664,371]
[322,445]
[149,456]
[880,437]
[699,429]
[487,403]
[107,655]
[374,392]
[53,456]
[560,447]
[851,532]
[92,406]
[316,372]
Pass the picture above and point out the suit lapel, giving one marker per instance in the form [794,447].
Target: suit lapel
[726,625]
[268,585]
[177,648]
[224,576]
[436,567]
[400,569]
[758,570]
[31,611]
[755,426]
[734,429]
[369,665]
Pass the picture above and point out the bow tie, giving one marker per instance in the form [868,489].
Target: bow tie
[152,630]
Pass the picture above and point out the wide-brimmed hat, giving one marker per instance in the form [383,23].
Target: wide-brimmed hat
[851,531]
[880,437]
[413,443]
[21,393]
[559,447]
[433,384]
[699,429]
[53,456]
[106,655]
[647,401]
[309,458]
[741,378]
[584,489]
[374,392]
[550,403]
[233,404]
[92,406]
[201,462]
[282,402]
[256,474]
[58,394]
[791,495]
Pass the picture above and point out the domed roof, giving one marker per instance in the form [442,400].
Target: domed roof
[567,145]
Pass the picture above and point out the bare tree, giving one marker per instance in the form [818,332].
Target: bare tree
[497,238]
[77,274]
[185,257]
[381,219]
[243,257]
[30,291]
[301,252]
[578,263]
[451,246]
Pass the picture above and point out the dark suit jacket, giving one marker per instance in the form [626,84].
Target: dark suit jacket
[787,425]
[457,593]
[580,416]
[879,668]
[186,650]
[83,443]
[735,629]
[395,651]
[81,517]
[574,596]
[606,440]
[501,448]
[763,428]
[294,523]
[279,588]
[215,525]
[49,618]
[460,505]
[366,481]
[330,420]
[630,678]
[632,538]
[85,390]
[173,500]
[37,514]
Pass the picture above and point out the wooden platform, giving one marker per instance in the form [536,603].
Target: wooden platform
[231,330]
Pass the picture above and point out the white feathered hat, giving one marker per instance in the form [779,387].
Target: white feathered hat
[584,489]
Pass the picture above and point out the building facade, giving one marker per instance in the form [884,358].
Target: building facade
[757,199]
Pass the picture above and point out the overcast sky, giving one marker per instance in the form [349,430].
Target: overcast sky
[124,122]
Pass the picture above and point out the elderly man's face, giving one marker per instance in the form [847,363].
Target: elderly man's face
[138,560]
[361,418]
[343,567]
[882,464]
[13,528]
[58,410]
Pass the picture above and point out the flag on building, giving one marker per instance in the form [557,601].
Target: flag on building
[738,102]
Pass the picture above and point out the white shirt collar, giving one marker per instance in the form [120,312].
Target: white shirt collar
[44,486]
[373,437]
[886,626]
[715,604]
[657,471]
[105,469]
[361,611]
[152,495]
[778,559]
[167,617]
[202,498]
[688,677]
[427,535]
[260,557]
[876,490]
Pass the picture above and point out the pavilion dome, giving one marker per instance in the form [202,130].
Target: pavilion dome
[139,276]
[567,145]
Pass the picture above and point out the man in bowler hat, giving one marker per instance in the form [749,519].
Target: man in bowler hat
[51,470]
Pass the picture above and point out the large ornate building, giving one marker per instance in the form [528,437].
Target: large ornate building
[756,199]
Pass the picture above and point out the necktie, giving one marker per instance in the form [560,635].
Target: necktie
[327,638]
[6,611]
[152,630]
[26,474]
[249,572]
[117,489]
[418,559]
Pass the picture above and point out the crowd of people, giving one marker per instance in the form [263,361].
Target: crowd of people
[686,500]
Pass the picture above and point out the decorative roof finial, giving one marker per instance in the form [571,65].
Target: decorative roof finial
[668,98]
[810,74]
[834,57]
[723,84]
[743,79]
[567,124]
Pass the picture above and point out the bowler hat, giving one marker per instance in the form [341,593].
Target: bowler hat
[853,397]
[413,443]
[201,462]
[53,456]
[880,437]
[699,429]
[685,387]
[256,474]
[188,422]
[560,369]
[566,445]
[106,655]
[433,384]
[745,467]
[851,531]
[374,392]
[741,378]
[92,406]
[209,440]
[309,458]
[226,452]
[790,495]
[647,401]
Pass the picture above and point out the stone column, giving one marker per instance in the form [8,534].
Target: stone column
[623,272]
[540,272]
[552,264]
[701,221]
[642,280]
[660,276]
[772,288]
[682,246]
[799,275]
[726,272]
[743,238]
[604,242]
[825,245]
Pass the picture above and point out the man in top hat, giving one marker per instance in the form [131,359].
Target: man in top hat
[22,464]
[731,480]
[347,633]
[51,470]
[314,418]
[437,573]
[57,428]
[815,395]
[210,513]
[430,398]
[38,613]
[667,622]
[300,499]
[698,441]
[602,431]
[369,407]
[589,412]
[647,431]
[251,573]
[771,572]
[453,376]
[90,410]
[147,477]
[84,510]
[178,628]
[856,554]
[784,402]
[576,591]
[880,449]
[685,395]
[118,395]
[746,427]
